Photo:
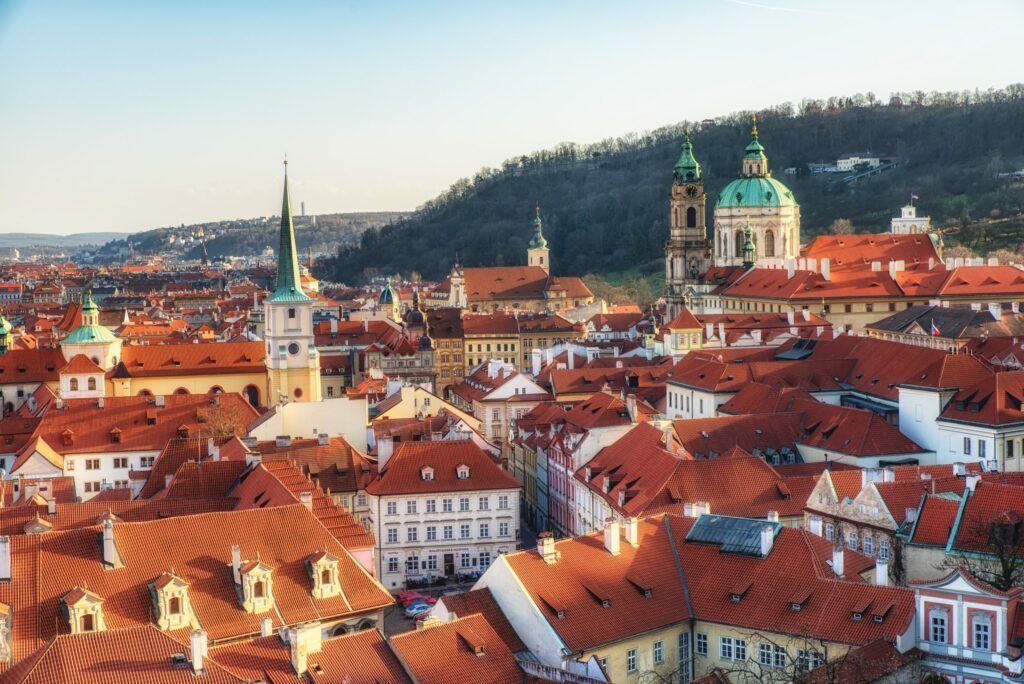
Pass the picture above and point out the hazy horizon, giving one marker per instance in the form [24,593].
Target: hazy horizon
[120,118]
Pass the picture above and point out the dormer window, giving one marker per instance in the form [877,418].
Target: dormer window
[173,607]
[325,573]
[257,586]
[85,611]
[462,472]
[426,473]
[115,436]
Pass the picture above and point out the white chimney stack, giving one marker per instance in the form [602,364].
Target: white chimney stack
[826,268]
[266,627]
[5,558]
[322,439]
[611,536]
[236,563]
[767,540]
[199,643]
[882,573]
[837,560]
[385,449]
[307,500]
[972,482]
[632,531]
[773,516]
[546,547]
[109,550]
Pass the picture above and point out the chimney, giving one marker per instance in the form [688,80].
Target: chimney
[109,550]
[806,313]
[546,547]
[773,516]
[690,510]
[266,627]
[5,558]
[995,310]
[198,642]
[385,449]
[882,573]
[992,466]
[790,317]
[993,261]
[667,432]
[960,469]
[51,506]
[972,482]
[631,407]
[632,531]
[611,536]
[334,326]
[167,480]
[876,266]
[305,640]
[283,441]
[366,325]
[161,401]
[428,622]
[236,564]
[307,500]
[931,263]
[99,402]
[790,268]
[704,508]
[826,269]
[889,474]
[535,362]
[767,540]
[721,333]
[322,439]
[572,359]
[709,330]
[837,559]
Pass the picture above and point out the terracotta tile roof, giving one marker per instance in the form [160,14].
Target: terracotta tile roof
[481,601]
[143,361]
[864,665]
[497,324]
[458,651]
[572,286]
[402,473]
[935,520]
[112,494]
[175,452]
[336,465]
[856,252]
[996,400]
[203,479]
[360,658]
[684,321]
[82,426]
[505,282]
[70,516]
[549,323]
[31,365]
[991,502]
[850,431]
[707,437]
[81,363]
[115,657]
[758,397]
[601,409]
[198,548]
[616,322]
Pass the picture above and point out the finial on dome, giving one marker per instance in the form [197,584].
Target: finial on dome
[753,130]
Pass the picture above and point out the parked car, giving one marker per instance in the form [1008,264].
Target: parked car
[452,592]
[414,597]
[416,609]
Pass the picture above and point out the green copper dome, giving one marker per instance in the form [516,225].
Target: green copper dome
[686,169]
[538,241]
[755,191]
[388,295]
[5,325]
[90,332]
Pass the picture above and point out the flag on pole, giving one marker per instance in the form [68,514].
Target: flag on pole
[935,330]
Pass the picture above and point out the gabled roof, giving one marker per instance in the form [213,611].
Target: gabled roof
[461,650]
[81,364]
[481,601]
[402,472]
[998,399]
[215,358]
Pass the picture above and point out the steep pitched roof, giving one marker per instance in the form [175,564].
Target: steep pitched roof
[481,601]
[457,651]
[402,474]
[144,361]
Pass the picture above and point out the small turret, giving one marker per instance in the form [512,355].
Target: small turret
[686,170]
[538,253]
[755,163]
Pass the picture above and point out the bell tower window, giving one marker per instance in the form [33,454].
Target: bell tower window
[691,217]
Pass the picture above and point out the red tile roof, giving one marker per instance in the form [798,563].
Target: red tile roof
[402,472]
[337,465]
[481,601]
[81,363]
[466,649]
[991,502]
[142,361]
[935,520]
[31,365]
[70,516]
[995,400]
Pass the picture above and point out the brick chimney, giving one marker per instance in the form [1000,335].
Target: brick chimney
[611,536]
[199,643]
[546,547]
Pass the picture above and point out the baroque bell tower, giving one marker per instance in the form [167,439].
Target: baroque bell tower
[688,251]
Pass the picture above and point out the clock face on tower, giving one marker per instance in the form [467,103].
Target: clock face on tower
[691,191]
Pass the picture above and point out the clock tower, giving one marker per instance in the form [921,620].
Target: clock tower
[688,251]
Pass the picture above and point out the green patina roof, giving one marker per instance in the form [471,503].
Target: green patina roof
[388,294]
[538,241]
[288,287]
[756,191]
[90,334]
[687,168]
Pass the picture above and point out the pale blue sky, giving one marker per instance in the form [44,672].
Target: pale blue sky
[131,115]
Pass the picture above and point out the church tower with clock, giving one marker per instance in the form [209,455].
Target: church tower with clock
[688,250]
[293,363]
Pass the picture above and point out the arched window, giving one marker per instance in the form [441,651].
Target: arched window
[216,389]
[325,577]
[145,393]
[691,218]
[739,243]
[769,243]
[92,383]
[74,384]
[252,393]
[181,390]
[257,589]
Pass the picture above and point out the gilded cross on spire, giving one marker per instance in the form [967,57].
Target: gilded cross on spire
[753,130]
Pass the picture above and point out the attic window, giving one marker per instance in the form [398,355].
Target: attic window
[427,473]
[115,436]
[462,472]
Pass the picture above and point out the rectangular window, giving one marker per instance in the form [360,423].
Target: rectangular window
[464,560]
[448,532]
[741,649]
[659,652]
[937,626]
[503,529]
[69,464]
[393,564]
[982,444]
[431,533]
[464,504]
[410,507]
[883,549]
[392,508]
[464,531]
[764,654]
[485,503]
[92,464]
[485,559]
[851,541]
[1009,448]
[982,633]
[120,462]
[431,563]
[830,531]
[446,505]
[725,651]
[684,655]
[485,530]
[412,564]
[503,501]
[631,660]
[361,500]
[412,534]
[869,545]
[701,644]
[392,535]
[431,505]
[967,446]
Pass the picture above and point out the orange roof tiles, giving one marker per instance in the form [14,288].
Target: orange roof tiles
[31,365]
[402,473]
[998,399]
[191,359]
[935,521]
[449,653]
[481,601]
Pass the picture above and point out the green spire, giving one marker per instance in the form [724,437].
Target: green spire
[288,286]
[754,150]
[686,169]
[749,250]
[538,241]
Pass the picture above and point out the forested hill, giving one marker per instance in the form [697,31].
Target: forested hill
[605,206]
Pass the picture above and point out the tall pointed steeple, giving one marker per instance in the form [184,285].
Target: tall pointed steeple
[288,286]
[537,253]
[538,241]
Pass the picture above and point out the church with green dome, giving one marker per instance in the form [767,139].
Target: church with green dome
[758,200]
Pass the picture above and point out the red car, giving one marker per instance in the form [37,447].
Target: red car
[407,598]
